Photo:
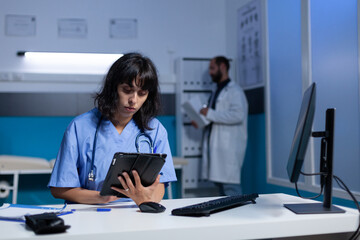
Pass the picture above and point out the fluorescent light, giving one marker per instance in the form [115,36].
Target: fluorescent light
[69,62]
[64,55]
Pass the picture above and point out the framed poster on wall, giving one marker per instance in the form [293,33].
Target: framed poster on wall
[249,46]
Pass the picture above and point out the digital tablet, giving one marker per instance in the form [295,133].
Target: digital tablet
[148,166]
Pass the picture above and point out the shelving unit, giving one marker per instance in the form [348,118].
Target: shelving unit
[192,80]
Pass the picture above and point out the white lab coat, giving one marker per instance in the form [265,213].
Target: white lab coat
[223,160]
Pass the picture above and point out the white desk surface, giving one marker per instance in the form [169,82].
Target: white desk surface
[265,219]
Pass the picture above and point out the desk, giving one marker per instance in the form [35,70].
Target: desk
[266,219]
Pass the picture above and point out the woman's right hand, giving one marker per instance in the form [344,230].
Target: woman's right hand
[81,195]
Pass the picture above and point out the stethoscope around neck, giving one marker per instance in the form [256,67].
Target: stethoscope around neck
[146,138]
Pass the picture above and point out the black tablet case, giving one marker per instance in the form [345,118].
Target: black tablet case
[148,165]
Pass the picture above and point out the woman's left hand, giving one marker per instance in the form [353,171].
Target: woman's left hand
[139,193]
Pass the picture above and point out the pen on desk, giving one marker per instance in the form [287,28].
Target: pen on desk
[64,213]
[91,210]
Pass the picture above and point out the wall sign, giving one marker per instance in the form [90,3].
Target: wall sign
[72,28]
[20,25]
[249,42]
[123,28]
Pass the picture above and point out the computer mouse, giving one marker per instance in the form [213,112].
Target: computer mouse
[151,207]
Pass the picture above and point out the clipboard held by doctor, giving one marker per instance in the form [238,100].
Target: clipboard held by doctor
[192,108]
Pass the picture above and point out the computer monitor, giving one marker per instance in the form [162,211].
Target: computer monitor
[300,142]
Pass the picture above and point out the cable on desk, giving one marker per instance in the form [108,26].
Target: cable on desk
[343,186]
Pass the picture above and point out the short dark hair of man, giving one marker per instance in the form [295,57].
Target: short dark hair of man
[224,60]
[130,67]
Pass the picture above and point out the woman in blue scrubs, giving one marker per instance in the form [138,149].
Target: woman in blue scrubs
[126,106]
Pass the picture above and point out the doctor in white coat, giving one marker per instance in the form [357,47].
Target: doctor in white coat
[225,139]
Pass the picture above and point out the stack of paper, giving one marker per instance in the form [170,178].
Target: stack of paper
[192,108]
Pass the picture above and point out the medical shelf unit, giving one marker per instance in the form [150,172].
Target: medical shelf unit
[192,80]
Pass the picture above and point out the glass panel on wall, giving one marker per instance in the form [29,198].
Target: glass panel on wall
[335,70]
[284,28]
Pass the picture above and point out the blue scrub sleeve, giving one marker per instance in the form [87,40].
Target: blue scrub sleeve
[162,146]
[65,172]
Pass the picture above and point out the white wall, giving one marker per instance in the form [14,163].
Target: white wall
[166,29]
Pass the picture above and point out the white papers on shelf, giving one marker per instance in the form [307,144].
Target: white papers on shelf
[192,108]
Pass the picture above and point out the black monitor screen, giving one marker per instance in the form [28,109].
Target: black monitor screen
[302,134]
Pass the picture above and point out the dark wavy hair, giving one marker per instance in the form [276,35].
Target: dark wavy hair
[130,67]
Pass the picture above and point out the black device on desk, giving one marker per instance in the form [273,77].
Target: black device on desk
[151,207]
[217,205]
[45,223]
[148,166]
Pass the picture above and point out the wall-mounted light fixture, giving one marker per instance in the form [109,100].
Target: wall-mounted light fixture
[84,56]
[68,62]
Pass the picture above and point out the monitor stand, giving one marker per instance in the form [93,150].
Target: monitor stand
[326,166]
[312,208]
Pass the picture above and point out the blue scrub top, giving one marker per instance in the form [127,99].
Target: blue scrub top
[73,161]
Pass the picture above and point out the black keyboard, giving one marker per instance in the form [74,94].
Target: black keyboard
[217,205]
